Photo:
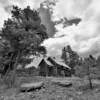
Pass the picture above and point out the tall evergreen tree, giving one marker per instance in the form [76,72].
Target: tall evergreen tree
[23,34]
[88,69]
[70,57]
[98,62]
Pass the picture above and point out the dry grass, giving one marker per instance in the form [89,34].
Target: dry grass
[78,91]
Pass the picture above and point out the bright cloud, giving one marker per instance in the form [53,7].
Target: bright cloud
[5,6]
[84,37]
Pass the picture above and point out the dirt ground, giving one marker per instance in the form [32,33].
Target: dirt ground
[78,91]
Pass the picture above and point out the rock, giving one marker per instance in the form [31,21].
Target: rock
[79,93]
[2,98]
[71,98]
[27,87]
[33,96]
[59,98]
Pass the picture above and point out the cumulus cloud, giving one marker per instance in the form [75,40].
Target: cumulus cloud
[22,3]
[84,37]
[5,7]
[3,15]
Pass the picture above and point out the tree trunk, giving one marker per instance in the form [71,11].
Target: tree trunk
[13,78]
[89,78]
[90,82]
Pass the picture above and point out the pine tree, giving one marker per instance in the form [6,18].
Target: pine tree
[87,69]
[70,57]
[23,34]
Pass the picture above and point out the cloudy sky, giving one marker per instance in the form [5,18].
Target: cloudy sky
[83,38]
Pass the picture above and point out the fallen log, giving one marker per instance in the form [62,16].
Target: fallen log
[65,84]
[27,87]
[62,83]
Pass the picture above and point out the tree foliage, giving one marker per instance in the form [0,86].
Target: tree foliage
[87,69]
[69,56]
[98,62]
[22,35]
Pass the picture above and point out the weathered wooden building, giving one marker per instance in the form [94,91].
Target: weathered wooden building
[45,68]
[48,66]
[60,68]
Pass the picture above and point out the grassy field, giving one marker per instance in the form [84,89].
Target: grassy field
[78,91]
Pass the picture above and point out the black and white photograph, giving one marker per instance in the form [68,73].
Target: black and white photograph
[49,49]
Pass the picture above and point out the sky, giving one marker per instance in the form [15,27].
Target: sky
[83,38]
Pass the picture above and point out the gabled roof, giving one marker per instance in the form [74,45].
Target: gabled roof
[37,60]
[62,63]
[59,62]
[48,62]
